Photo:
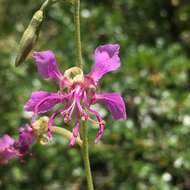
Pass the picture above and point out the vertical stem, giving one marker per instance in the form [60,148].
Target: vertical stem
[85,154]
[77,34]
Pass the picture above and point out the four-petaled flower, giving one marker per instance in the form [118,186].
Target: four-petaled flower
[77,91]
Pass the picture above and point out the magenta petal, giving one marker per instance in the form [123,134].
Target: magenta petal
[7,151]
[114,103]
[46,63]
[6,141]
[106,60]
[26,138]
[8,154]
[41,101]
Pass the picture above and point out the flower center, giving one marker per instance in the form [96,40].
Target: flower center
[75,74]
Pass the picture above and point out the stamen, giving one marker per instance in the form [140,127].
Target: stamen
[84,115]
[101,123]
[50,122]
[76,129]
[68,112]
[100,133]
[93,121]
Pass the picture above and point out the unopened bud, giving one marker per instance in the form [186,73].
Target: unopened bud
[29,37]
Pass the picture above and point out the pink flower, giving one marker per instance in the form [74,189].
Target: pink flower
[77,91]
[7,150]
[10,148]
[26,138]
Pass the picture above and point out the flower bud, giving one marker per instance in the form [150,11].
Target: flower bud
[29,37]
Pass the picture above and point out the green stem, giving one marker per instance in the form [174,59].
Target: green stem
[77,34]
[85,152]
[86,159]
[67,134]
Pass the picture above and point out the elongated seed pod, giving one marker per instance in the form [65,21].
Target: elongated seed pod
[29,37]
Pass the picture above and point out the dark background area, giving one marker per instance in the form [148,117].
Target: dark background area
[148,151]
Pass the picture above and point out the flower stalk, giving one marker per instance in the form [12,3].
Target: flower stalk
[65,133]
[85,151]
[77,34]
[86,159]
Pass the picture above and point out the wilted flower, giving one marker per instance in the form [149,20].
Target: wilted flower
[10,148]
[7,149]
[26,138]
[78,91]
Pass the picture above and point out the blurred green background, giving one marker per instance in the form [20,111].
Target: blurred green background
[148,151]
